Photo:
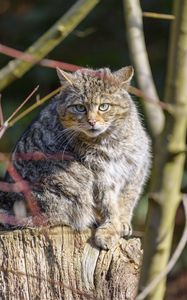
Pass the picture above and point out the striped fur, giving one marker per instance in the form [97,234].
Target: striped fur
[103,182]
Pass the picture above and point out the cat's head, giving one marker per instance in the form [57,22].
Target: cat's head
[95,101]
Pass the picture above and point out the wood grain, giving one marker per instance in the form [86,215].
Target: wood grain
[60,263]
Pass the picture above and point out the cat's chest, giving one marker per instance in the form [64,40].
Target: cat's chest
[113,173]
[107,167]
[111,169]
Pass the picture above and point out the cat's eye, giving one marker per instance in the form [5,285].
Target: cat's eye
[104,106]
[80,108]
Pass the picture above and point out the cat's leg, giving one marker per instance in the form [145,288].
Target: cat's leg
[69,209]
[108,233]
[117,212]
[127,202]
[77,215]
[66,198]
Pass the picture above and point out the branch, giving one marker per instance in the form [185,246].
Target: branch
[11,187]
[16,68]
[4,126]
[1,113]
[22,104]
[137,47]
[171,109]
[169,161]
[23,186]
[181,245]
[49,63]
[35,105]
[158,16]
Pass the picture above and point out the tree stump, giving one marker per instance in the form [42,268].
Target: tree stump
[60,263]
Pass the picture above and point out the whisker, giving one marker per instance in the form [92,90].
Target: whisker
[62,134]
[70,140]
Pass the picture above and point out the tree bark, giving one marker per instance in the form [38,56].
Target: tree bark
[139,56]
[60,263]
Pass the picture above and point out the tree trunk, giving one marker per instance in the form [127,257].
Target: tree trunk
[140,60]
[60,263]
[169,160]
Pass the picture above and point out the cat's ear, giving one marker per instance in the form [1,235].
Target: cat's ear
[124,75]
[65,76]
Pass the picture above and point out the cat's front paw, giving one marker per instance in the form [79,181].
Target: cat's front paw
[106,236]
[126,229]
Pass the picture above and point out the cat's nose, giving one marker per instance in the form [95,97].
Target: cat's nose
[92,122]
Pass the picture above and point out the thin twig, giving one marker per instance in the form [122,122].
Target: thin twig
[3,129]
[35,105]
[5,125]
[49,63]
[10,220]
[86,32]
[181,245]
[1,112]
[158,16]
[137,92]
[37,156]
[11,52]
[25,188]
[11,187]
[22,104]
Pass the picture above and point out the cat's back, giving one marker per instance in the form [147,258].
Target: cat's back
[38,135]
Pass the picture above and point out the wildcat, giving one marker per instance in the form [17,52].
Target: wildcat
[96,121]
